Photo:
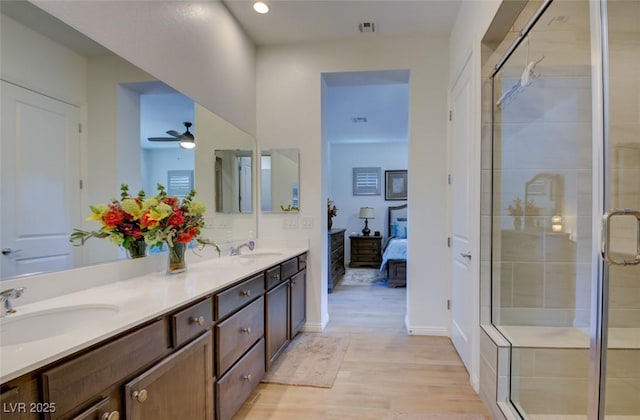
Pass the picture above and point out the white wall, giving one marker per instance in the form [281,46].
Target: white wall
[343,158]
[195,47]
[289,100]
[160,161]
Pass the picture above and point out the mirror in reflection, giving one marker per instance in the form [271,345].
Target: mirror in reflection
[280,178]
[234,181]
[89,114]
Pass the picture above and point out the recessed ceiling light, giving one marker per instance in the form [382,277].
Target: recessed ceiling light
[261,7]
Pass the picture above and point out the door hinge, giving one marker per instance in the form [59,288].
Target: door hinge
[449,242]
[79,128]
[448,304]
[81,184]
[449,179]
[450,115]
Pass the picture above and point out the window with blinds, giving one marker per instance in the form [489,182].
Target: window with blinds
[179,183]
[366,181]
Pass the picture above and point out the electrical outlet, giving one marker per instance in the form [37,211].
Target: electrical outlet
[307,222]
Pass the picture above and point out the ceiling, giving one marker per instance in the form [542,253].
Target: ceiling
[292,21]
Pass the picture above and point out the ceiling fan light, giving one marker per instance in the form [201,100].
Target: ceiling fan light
[261,7]
[187,143]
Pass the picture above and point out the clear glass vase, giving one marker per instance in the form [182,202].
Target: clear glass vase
[177,263]
[137,249]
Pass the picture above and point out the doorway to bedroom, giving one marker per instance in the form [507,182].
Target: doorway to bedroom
[365,123]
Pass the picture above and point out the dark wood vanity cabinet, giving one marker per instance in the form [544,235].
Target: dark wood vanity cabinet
[285,312]
[201,361]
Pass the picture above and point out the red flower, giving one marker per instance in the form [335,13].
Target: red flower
[177,218]
[172,201]
[146,222]
[113,217]
[186,236]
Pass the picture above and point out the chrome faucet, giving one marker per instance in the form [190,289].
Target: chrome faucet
[6,307]
[236,250]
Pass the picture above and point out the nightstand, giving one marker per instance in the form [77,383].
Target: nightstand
[366,251]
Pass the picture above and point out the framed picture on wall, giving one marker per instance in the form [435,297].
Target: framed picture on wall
[395,185]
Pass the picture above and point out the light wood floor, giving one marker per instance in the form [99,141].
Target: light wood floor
[385,374]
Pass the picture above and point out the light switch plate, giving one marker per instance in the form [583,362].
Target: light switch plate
[307,222]
[291,222]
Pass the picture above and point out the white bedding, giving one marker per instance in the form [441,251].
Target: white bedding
[396,250]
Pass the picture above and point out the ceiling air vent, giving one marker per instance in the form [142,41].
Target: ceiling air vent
[367,27]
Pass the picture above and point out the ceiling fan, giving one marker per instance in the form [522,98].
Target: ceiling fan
[186,139]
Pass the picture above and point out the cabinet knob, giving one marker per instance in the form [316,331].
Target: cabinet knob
[114,415]
[247,330]
[245,293]
[140,396]
[247,377]
[198,320]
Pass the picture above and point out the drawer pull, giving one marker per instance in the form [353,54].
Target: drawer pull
[247,377]
[246,330]
[245,293]
[140,396]
[198,320]
[114,415]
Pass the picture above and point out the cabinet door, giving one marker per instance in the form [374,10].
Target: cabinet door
[277,321]
[21,402]
[179,387]
[298,302]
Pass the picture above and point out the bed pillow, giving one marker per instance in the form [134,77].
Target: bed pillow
[399,229]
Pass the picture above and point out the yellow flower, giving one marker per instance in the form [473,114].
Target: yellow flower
[130,206]
[97,212]
[197,207]
[148,203]
[160,212]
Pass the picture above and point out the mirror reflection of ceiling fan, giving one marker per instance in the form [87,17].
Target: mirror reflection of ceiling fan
[186,139]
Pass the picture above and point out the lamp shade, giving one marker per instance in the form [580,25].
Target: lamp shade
[367,213]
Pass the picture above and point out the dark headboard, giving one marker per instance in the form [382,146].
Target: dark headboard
[395,213]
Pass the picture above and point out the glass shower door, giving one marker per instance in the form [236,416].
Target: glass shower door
[622,192]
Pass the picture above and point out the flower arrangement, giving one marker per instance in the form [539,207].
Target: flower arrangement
[120,221]
[515,209]
[332,211]
[154,220]
[171,220]
[331,208]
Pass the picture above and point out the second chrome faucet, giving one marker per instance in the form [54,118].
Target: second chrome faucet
[235,250]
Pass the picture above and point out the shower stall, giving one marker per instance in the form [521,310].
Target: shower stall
[561,211]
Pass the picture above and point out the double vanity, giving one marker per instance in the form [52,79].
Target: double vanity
[187,346]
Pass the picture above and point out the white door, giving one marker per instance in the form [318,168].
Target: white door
[462,303]
[39,180]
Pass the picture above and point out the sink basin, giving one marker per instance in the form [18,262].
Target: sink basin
[260,255]
[19,329]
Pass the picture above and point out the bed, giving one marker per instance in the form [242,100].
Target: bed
[394,251]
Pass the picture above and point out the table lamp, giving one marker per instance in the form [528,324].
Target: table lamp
[367,213]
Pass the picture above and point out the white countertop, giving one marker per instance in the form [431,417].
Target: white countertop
[137,300]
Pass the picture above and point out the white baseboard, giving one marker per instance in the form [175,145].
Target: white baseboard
[440,331]
[475,383]
[313,328]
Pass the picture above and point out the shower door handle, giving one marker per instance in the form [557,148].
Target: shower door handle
[606,236]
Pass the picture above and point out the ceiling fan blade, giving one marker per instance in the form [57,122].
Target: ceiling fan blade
[174,133]
[163,139]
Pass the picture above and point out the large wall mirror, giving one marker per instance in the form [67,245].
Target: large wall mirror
[101,112]
[280,180]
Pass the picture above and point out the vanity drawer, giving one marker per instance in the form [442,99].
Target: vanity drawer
[236,386]
[238,296]
[289,268]
[192,321]
[273,277]
[72,384]
[237,333]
